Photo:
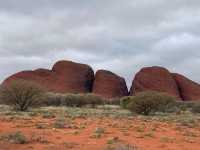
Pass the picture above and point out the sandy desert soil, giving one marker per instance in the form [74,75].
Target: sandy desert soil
[97,129]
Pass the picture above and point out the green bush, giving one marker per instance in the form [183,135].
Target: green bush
[113,101]
[79,100]
[124,101]
[150,102]
[53,99]
[92,99]
[21,94]
[16,138]
[72,100]
[192,106]
[195,107]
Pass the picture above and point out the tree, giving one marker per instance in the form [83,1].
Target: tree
[21,94]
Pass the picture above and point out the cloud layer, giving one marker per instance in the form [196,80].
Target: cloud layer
[118,35]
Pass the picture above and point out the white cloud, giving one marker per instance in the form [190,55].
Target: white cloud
[118,35]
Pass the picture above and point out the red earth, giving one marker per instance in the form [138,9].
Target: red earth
[144,134]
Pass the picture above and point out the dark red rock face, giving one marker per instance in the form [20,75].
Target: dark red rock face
[189,90]
[65,77]
[155,79]
[71,77]
[109,85]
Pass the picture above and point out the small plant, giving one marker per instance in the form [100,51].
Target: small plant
[190,134]
[48,114]
[167,139]
[149,134]
[187,121]
[140,129]
[124,102]
[16,138]
[39,139]
[60,122]
[69,145]
[113,140]
[40,126]
[99,130]
[196,107]
[21,94]
[98,133]
[146,103]
[121,147]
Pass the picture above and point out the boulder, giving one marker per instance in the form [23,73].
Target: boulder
[109,85]
[189,90]
[65,77]
[155,79]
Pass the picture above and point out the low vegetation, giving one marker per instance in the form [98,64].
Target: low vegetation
[16,138]
[121,147]
[99,124]
[21,94]
[143,114]
[124,101]
[73,100]
[60,121]
[148,102]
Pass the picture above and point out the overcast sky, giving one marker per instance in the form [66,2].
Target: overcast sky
[118,35]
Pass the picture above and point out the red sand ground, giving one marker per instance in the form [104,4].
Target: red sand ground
[146,135]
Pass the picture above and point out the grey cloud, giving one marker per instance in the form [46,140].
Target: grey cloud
[118,35]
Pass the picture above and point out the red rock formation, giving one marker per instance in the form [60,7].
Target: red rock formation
[155,79]
[109,85]
[65,77]
[189,90]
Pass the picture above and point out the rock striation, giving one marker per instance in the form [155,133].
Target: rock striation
[189,90]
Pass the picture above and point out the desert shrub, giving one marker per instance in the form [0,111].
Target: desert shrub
[72,100]
[98,133]
[16,138]
[113,101]
[79,100]
[150,102]
[48,114]
[124,101]
[195,107]
[21,94]
[192,106]
[121,147]
[92,99]
[60,123]
[53,99]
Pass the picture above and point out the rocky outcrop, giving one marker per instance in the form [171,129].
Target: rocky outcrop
[155,79]
[189,90]
[109,85]
[65,77]
[71,77]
